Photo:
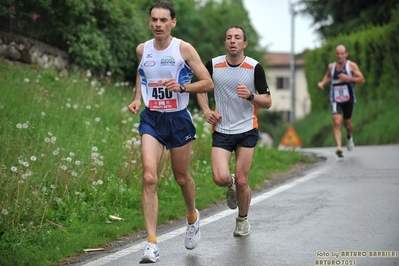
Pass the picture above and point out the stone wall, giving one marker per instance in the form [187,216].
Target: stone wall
[22,49]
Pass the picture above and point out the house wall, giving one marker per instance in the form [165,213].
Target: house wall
[282,97]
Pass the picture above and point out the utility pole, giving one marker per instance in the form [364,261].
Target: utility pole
[292,63]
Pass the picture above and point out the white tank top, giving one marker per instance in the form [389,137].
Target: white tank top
[157,66]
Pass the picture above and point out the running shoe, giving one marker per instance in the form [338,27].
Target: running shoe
[193,233]
[231,195]
[151,253]
[350,144]
[339,153]
[242,227]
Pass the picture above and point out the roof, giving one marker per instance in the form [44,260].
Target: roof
[281,59]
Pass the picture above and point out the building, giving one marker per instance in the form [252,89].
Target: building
[278,74]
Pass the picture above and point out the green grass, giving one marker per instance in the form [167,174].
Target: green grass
[70,158]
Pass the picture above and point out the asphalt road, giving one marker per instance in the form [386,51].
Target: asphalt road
[342,212]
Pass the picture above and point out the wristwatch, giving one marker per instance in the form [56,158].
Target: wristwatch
[250,97]
[182,88]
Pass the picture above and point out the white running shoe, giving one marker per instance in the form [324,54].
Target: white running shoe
[231,195]
[350,144]
[242,227]
[193,233]
[151,253]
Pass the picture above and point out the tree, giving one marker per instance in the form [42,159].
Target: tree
[101,35]
[335,17]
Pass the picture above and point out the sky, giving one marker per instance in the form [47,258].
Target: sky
[272,21]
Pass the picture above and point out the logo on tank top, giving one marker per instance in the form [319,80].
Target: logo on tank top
[167,61]
[149,63]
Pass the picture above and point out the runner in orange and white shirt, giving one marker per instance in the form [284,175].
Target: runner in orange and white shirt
[240,89]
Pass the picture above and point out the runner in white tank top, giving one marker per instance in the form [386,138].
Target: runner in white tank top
[164,82]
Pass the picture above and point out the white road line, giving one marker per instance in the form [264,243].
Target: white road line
[213,218]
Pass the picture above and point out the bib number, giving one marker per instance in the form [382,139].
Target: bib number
[160,98]
[341,93]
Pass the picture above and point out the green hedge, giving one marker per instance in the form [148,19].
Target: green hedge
[376,52]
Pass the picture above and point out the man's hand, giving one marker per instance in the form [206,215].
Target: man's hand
[243,91]
[134,107]
[212,117]
[172,85]
[320,85]
[343,77]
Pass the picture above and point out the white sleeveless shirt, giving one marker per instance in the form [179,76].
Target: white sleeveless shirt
[157,66]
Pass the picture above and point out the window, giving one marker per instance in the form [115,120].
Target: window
[283,83]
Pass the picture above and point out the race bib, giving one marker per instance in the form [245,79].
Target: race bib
[159,98]
[341,93]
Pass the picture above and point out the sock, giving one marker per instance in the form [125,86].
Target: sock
[233,182]
[243,217]
[152,239]
[191,218]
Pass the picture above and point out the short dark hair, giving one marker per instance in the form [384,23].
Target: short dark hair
[165,5]
[238,27]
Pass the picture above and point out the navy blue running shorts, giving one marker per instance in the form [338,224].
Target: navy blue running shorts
[172,129]
[230,142]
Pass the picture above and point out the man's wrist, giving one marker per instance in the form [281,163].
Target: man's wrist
[182,88]
[250,97]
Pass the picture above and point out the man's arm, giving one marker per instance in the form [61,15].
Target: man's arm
[263,98]
[202,98]
[326,78]
[357,75]
[192,58]
[134,107]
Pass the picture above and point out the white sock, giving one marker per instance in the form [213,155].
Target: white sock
[233,185]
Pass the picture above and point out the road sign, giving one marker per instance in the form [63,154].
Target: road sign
[291,138]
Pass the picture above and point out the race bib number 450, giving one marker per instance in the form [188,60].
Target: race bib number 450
[341,93]
[159,98]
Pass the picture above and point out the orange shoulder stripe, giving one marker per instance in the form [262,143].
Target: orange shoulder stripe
[221,65]
[246,65]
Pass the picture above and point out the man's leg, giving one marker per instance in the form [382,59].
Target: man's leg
[337,122]
[347,114]
[180,165]
[349,126]
[220,159]
[244,193]
[243,165]
[180,158]
[152,152]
